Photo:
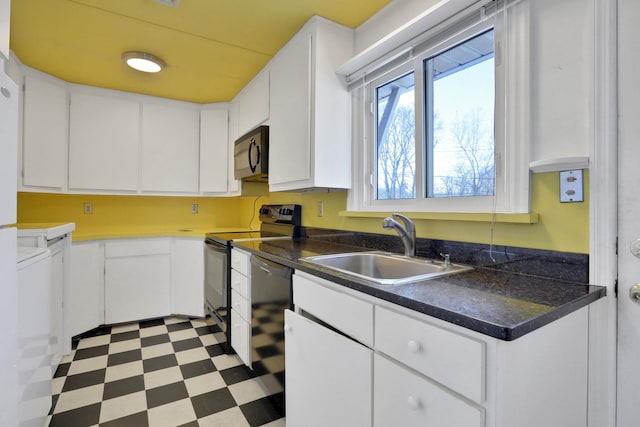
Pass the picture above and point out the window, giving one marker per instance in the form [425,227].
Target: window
[458,143]
[443,122]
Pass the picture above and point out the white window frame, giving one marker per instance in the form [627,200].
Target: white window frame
[512,119]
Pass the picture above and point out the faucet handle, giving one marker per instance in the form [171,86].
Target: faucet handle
[408,223]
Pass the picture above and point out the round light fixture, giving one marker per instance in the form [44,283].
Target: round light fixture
[143,61]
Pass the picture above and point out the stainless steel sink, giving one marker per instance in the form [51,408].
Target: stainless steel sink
[385,268]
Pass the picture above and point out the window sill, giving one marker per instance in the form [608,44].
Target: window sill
[507,218]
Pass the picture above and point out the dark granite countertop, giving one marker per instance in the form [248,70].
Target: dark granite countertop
[500,304]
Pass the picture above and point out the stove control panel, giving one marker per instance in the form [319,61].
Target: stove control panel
[281,214]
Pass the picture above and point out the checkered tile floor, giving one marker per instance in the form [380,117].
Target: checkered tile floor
[163,372]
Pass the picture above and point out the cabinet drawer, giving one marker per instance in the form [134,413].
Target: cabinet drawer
[450,359]
[350,315]
[240,261]
[240,336]
[241,305]
[405,399]
[240,283]
[136,247]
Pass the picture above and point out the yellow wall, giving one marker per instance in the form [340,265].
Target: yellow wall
[561,227]
[115,212]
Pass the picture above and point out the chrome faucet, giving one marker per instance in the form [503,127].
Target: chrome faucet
[407,232]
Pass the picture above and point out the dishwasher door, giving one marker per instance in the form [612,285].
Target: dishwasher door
[271,288]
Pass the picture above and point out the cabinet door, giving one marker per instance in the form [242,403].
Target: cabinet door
[103,143]
[253,103]
[328,376]
[84,309]
[170,148]
[188,277]
[214,151]
[405,399]
[137,287]
[44,143]
[8,148]
[241,337]
[289,124]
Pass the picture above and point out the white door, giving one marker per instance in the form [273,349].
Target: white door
[628,212]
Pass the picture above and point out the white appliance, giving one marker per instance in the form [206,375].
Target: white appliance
[9,94]
[34,331]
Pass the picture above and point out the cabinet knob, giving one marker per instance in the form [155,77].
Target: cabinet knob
[287,327]
[414,346]
[413,402]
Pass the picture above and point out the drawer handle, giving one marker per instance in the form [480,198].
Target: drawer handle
[414,346]
[414,403]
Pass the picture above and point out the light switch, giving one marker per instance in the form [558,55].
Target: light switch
[571,189]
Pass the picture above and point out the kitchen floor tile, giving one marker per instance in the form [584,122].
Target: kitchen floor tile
[162,377]
[159,372]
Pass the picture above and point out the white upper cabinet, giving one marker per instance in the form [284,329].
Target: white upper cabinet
[103,143]
[170,148]
[5,21]
[214,150]
[253,103]
[44,143]
[310,110]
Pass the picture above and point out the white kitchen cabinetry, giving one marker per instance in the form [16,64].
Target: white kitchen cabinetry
[241,305]
[329,377]
[84,308]
[170,148]
[214,151]
[310,110]
[430,372]
[103,142]
[137,279]
[405,399]
[253,103]
[188,277]
[44,143]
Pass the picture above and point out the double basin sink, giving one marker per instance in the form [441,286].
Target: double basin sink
[385,268]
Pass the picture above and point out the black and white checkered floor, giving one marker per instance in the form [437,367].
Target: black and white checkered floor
[163,372]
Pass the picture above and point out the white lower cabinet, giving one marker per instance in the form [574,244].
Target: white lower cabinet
[84,309]
[125,280]
[424,371]
[402,398]
[241,305]
[137,280]
[188,277]
[328,376]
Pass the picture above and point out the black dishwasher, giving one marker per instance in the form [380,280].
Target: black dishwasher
[271,288]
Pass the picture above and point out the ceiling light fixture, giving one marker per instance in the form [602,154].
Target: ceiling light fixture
[143,61]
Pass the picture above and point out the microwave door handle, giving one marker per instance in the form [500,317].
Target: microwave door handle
[251,165]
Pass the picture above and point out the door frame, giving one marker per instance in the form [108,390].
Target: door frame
[603,221]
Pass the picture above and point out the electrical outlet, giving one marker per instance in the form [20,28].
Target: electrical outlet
[320,208]
[194,208]
[571,189]
[88,208]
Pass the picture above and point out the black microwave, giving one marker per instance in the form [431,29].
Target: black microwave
[251,155]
